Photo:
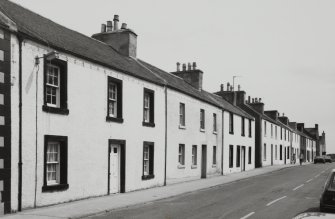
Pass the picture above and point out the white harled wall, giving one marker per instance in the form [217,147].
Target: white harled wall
[236,139]
[86,127]
[191,135]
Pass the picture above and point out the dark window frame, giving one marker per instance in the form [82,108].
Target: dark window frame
[249,155]
[214,162]
[183,154]
[63,157]
[151,174]
[250,128]
[63,93]
[264,152]
[281,152]
[202,119]
[119,85]
[231,123]
[151,94]
[242,126]
[215,128]
[182,122]
[231,156]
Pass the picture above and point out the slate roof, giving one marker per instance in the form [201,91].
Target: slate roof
[49,33]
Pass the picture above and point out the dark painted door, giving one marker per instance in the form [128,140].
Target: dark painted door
[204,161]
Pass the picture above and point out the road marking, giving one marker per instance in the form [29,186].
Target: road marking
[298,187]
[309,180]
[270,203]
[248,215]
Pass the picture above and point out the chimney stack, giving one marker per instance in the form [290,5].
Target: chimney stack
[103,28]
[222,87]
[124,41]
[124,26]
[116,22]
[178,66]
[184,67]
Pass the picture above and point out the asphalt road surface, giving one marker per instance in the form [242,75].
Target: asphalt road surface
[280,194]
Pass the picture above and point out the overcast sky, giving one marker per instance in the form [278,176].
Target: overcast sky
[284,50]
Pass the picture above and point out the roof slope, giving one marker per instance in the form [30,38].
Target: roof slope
[183,86]
[61,38]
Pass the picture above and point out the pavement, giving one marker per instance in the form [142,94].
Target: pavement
[99,205]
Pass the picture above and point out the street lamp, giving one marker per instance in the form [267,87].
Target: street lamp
[49,56]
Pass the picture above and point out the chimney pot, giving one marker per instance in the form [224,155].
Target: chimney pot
[283,114]
[109,26]
[231,88]
[194,65]
[178,66]
[103,28]
[260,100]
[222,87]
[116,22]
[248,99]
[253,100]
[124,26]
[184,67]
[189,68]
[239,87]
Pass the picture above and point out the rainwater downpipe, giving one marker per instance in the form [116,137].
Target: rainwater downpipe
[20,39]
[222,140]
[165,93]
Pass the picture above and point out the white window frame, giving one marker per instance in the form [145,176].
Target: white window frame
[194,155]
[182,120]
[181,154]
[112,101]
[214,123]
[146,160]
[53,89]
[146,107]
[54,162]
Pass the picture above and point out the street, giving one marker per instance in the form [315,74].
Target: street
[280,194]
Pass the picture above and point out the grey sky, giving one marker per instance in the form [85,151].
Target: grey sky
[284,50]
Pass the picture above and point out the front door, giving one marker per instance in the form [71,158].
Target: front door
[114,167]
[204,161]
[243,158]
[284,155]
[271,155]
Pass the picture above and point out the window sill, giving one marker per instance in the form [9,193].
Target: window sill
[231,133]
[243,135]
[182,127]
[112,119]
[148,124]
[147,177]
[180,166]
[250,136]
[54,188]
[49,109]
[214,165]
[215,132]
[194,167]
[202,130]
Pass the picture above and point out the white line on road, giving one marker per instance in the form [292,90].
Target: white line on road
[270,203]
[248,215]
[298,187]
[309,180]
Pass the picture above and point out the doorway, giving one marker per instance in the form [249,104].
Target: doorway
[271,154]
[116,166]
[243,158]
[204,161]
[284,155]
